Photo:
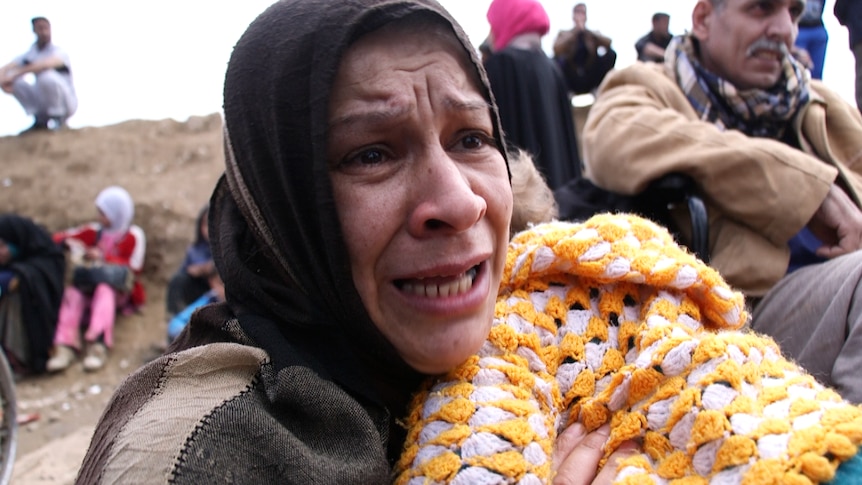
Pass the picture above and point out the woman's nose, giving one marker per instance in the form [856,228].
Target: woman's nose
[445,200]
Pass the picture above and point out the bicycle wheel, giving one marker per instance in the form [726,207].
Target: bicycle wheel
[8,421]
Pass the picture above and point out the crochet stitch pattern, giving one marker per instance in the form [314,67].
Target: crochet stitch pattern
[610,321]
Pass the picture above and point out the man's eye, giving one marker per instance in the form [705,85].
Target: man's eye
[762,7]
[796,13]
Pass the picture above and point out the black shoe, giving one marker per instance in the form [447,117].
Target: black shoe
[37,126]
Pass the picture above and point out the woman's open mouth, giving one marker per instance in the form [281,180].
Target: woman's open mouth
[440,287]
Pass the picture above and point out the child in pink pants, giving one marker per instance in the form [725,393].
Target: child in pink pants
[113,240]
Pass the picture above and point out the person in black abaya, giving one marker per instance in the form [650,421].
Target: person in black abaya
[530,90]
[31,288]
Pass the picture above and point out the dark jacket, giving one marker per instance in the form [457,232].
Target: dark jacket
[849,13]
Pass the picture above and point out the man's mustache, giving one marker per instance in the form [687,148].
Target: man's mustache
[769,45]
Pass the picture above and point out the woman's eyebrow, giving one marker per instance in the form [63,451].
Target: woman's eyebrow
[375,116]
[466,105]
[392,113]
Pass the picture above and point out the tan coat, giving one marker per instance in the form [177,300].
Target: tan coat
[759,192]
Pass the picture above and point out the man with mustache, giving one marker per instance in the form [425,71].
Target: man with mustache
[777,157]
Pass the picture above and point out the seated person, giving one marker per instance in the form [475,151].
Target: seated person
[192,279]
[584,55]
[776,157]
[108,256]
[181,319]
[31,288]
[50,96]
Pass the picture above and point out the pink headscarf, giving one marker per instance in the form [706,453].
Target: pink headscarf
[510,18]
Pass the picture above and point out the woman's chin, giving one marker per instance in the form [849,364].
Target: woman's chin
[441,361]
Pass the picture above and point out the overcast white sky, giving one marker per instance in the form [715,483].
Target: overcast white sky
[166,58]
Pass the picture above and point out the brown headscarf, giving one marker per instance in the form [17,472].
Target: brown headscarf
[274,230]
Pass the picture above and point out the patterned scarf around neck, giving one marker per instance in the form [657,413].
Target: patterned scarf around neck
[755,112]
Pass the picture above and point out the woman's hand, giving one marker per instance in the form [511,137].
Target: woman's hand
[577,456]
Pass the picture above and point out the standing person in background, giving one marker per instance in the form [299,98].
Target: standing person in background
[530,90]
[651,47]
[584,55]
[813,37]
[31,287]
[849,13]
[51,99]
[104,280]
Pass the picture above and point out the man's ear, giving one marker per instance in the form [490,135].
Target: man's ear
[701,19]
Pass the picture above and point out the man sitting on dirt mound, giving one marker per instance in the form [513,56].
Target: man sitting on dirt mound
[776,155]
[51,98]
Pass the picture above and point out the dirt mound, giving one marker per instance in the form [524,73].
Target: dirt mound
[170,169]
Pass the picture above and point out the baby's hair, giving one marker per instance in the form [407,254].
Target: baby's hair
[533,199]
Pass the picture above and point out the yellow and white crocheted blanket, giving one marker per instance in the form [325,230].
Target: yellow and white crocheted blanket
[610,321]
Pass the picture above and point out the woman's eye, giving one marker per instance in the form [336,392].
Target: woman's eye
[371,156]
[474,141]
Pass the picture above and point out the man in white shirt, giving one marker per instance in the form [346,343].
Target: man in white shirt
[50,98]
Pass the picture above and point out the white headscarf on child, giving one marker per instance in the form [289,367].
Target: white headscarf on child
[117,205]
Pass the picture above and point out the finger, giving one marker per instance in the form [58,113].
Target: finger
[830,252]
[609,471]
[846,244]
[579,467]
[567,441]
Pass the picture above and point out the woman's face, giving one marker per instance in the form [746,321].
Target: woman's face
[422,193]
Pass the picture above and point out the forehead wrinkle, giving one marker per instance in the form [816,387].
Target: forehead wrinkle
[465,105]
[393,112]
[798,3]
[382,115]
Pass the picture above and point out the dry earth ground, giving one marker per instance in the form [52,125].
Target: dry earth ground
[170,168]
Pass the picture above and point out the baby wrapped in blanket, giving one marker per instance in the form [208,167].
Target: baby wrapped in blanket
[610,321]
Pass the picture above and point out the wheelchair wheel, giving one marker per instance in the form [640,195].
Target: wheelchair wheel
[8,421]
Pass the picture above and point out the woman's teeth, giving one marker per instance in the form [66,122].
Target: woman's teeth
[460,285]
